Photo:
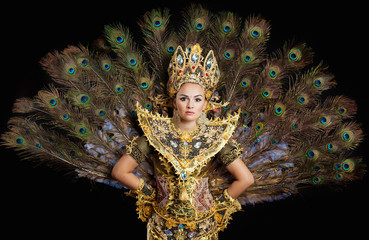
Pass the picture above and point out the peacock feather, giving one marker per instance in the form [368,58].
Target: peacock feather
[290,135]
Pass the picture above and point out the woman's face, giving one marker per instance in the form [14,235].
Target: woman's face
[190,101]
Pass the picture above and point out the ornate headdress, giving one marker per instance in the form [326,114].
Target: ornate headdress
[190,66]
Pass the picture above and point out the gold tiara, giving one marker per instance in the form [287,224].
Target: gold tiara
[190,66]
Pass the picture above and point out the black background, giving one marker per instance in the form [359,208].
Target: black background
[40,202]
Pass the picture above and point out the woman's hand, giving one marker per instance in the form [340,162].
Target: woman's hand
[243,178]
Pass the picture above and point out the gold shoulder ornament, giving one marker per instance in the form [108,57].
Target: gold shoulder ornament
[187,152]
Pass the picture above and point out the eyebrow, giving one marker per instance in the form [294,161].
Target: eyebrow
[200,95]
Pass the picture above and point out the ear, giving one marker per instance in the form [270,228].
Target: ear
[174,103]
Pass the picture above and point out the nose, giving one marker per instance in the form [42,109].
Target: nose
[190,104]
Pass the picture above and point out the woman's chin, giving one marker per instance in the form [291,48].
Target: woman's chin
[189,118]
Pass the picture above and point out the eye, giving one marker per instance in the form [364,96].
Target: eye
[182,99]
[198,99]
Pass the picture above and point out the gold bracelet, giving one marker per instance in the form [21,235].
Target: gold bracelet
[140,186]
[228,197]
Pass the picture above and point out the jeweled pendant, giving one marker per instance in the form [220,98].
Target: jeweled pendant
[174,144]
[191,235]
[168,232]
[180,227]
[179,59]
[195,57]
[209,62]
[198,144]
[184,175]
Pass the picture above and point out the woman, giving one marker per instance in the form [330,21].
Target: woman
[183,211]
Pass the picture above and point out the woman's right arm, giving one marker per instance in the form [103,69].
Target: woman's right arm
[122,172]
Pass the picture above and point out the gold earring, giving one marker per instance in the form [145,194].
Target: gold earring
[202,119]
[176,117]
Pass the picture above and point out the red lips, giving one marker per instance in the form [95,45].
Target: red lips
[189,113]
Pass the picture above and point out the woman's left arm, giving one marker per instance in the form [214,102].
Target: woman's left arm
[243,178]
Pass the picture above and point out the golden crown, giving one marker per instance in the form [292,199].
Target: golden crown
[191,66]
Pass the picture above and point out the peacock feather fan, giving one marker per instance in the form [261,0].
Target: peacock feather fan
[288,134]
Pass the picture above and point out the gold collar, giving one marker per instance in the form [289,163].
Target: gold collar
[186,151]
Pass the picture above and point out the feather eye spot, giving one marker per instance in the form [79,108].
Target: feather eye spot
[317,180]
[272,73]
[19,140]
[119,39]
[102,112]
[199,26]
[148,106]
[144,85]
[227,29]
[337,166]
[71,70]
[82,130]
[338,176]
[170,49]
[301,100]
[84,62]
[132,62]
[294,54]
[66,116]
[323,120]
[248,56]
[38,145]
[259,127]
[348,165]
[53,102]
[347,136]
[106,67]
[227,55]
[244,83]
[312,154]
[84,99]
[157,23]
[317,83]
[316,168]
[266,93]
[330,146]
[342,110]
[255,32]
[278,110]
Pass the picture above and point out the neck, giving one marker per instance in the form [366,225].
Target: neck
[186,126]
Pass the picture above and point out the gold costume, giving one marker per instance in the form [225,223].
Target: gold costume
[182,205]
